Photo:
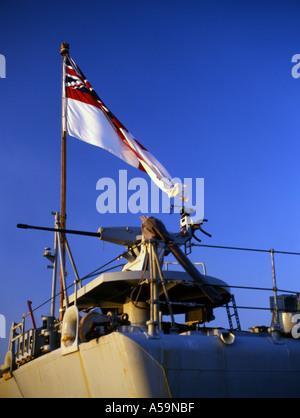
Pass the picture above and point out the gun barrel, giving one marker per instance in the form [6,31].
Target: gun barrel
[65,231]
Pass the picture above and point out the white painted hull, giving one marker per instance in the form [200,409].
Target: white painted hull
[135,366]
[112,366]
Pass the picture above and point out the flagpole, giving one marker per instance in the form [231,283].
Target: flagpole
[64,51]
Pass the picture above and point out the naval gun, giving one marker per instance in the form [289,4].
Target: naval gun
[154,230]
[131,237]
[173,292]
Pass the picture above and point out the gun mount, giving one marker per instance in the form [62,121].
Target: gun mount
[188,291]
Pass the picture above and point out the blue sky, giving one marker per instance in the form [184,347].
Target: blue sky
[205,86]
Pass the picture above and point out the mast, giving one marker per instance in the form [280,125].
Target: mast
[64,51]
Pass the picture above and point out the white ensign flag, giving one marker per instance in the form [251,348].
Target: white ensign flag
[91,121]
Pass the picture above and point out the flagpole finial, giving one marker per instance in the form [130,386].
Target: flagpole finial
[64,49]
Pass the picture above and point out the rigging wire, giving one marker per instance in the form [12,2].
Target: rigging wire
[244,249]
[93,273]
[100,271]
